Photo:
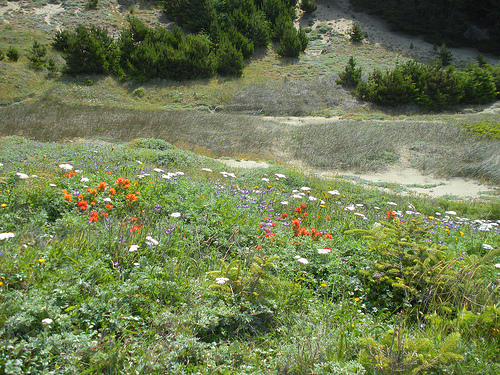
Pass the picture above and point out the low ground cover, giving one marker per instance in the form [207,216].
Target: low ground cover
[142,258]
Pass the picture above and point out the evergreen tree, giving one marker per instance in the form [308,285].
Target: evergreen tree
[37,55]
[445,55]
[356,33]
[351,75]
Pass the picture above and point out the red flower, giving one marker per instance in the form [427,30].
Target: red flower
[108,206]
[391,214]
[298,209]
[303,205]
[284,215]
[94,216]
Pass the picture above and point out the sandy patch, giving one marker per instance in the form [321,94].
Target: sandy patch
[240,163]
[49,10]
[9,7]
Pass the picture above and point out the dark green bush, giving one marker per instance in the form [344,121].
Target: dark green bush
[91,51]
[291,42]
[351,75]
[12,54]
[479,86]
[308,6]
[356,33]
[37,55]
[229,59]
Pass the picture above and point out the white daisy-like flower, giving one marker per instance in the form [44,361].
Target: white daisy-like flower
[311,198]
[159,170]
[84,179]
[151,241]
[333,192]
[350,208]
[175,214]
[497,265]
[47,321]
[179,173]
[451,213]
[360,205]
[66,166]
[1,165]
[297,196]
[284,202]
[4,236]
[305,188]
[22,176]
[324,251]
[392,204]
[228,174]
[280,175]
[376,208]
[138,162]
[107,199]
[133,248]
[221,280]
[303,261]
[265,179]
[206,169]
[143,175]
[167,176]
[297,257]
[487,247]
[52,185]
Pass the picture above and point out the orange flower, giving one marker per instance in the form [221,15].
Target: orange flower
[92,191]
[327,236]
[298,209]
[123,181]
[93,203]
[284,215]
[131,198]
[68,197]
[303,205]
[111,192]
[132,218]
[80,196]
[135,228]
[82,205]
[94,216]
[108,206]
[102,186]
[64,191]
[105,214]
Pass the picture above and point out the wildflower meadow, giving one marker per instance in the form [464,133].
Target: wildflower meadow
[140,258]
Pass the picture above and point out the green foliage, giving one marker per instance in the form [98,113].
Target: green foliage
[409,272]
[250,280]
[397,351]
[351,75]
[308,6]
[229,59]
[488,129]
[37,55]
[445,56]
[90,51]
[12,54]
[2,55]
[356,33]
[92,4]
[479,85]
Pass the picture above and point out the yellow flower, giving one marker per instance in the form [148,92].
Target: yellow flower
[356,299]
[3,205]
[462,233]
[1,283]
[431,217]
[323,285]
[41,260]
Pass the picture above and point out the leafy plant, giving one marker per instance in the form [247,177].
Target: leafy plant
[37,55]
[351,75]
[356,33]
[12,54]
[397,351]
[250,281]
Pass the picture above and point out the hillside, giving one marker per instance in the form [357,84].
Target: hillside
[232,109]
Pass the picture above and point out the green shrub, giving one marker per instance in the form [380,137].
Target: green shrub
[12,54]
[308,6]
[37,55]
[445,55]
[351,75]
[356,33]
[292,42]
[229,59]
[2,55]
[479,86]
